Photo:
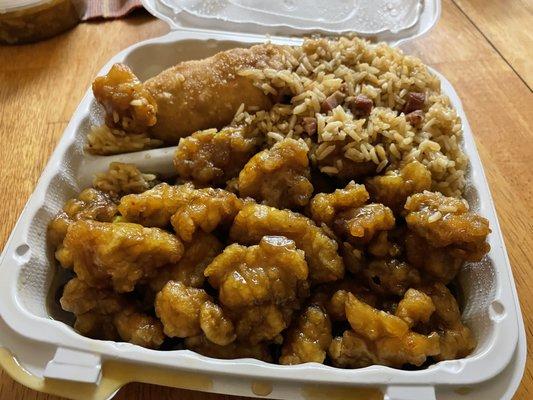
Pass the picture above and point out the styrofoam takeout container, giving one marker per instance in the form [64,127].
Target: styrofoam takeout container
[48,355]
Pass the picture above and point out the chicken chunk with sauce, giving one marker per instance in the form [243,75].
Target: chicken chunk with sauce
[278,177]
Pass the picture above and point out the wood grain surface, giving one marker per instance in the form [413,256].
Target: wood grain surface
[479,45]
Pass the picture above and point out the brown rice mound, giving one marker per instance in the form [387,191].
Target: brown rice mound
[319,67]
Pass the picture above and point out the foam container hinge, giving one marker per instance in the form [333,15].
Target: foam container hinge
[47,347]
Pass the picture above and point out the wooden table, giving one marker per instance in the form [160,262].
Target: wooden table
[482,46]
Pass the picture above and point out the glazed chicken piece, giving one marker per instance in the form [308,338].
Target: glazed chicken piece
[359,225]
[325,206]
[205,210]
[202,345]
[440,263]
[415,307]
[215,325]
[270,272]
[104,314]
[255,221]
[263,323]
[444,221]
[188,97]
[155,207]
[178,307]
[278,177]
[190,268]
[379,338]
[444,234]
[214,157]
[123,178]
[391,277]
[308,339]
[119,255]
[393,188]
[91,204]
[128,104]
[456,339]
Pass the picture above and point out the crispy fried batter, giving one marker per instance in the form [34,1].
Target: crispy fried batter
[443,221]
[128,104]
[456,339]
[255,221]
[104,314]
[440,263]
[91,204]
[202,345]
[393,188]
[262,323]
[119,255]
[359,225]
[154,207]
[205,210]
[325,206]
[444,234]
[351,351]
[190,268]
[278,177]
[415,307]
[266,273]
[380,338]
[178,307]
[201,94]
[139,328]
[215,325]
[391,277]
[308,339]
[211,157]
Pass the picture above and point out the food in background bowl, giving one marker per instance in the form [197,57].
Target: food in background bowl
[320,220]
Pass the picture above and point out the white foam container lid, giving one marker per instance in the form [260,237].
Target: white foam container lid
[50,351]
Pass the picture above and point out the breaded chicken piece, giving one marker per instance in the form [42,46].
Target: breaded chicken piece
[308,339]
[279,176]
[178,307]
[215,325]
[90,204]
[255,221]
[415,307]
[391,277]
[443,234]
[443,221]
[270,272]
[104,314]
[440,263]
[190,268]
[129,105]
[263,323]
[325,206]
[205,210]
[456,339]
[359,225]
[202,345]
[214,157]
[379,338]
[188,97]
[154,207]
[393,188]
[119,255]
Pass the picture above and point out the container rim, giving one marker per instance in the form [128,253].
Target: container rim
[475,369]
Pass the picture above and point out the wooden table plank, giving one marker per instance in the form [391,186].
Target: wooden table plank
[507,25]
[42,84]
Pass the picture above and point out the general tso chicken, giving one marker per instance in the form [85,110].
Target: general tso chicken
[315,213]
